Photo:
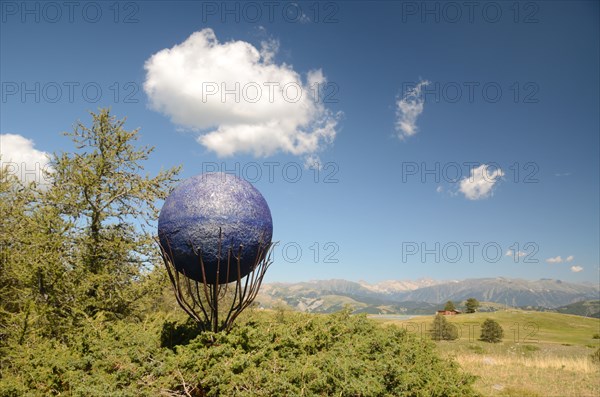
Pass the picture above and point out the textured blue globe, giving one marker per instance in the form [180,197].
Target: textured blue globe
[197,209]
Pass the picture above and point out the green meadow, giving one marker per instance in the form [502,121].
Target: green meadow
[542,354]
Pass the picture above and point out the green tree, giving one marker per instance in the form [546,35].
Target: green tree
[491,331]
[472,305]
[100,190]
[34,288]
[449,306]
[80,243]
[13,227]
[442,329]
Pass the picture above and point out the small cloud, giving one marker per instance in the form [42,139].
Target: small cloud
[303,17]
[480,183]
[570,258]
[408,109]
[559,174]
[439,189]
[556,259]
[20,158]
[313,162]
[268,49]
[519,254]
[576,269]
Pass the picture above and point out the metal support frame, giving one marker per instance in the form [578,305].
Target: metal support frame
[200,299]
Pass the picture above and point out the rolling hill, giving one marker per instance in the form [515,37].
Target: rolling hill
[583,308]
[520,326]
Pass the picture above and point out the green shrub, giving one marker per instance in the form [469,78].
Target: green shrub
[491,331]
[441,329]
[337,354]
[596,336]
[518,392]
[476,349]
[530,348]
[173,333]
[311,355]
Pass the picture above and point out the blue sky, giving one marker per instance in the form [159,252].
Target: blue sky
[506,121]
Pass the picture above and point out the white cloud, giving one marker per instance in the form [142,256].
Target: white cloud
[559,259]
[439,189]
[519,254]
[408,109]
[576,269]
[303,17]
[268,50]
[480,183]
[19,157]
[238,98]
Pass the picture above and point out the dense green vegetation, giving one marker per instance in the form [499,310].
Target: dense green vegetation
[441,329]
[449,306]
[80,243]
[267,353]
[491,331]
[471,305]
[86,309]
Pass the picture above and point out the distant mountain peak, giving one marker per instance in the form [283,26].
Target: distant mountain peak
[393,286]
[397,295]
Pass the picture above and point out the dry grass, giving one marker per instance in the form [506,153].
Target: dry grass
[575,364]
[542,354]
[507,371]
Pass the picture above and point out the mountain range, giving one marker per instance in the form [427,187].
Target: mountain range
[423,296]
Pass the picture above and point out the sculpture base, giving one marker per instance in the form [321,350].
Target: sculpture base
[203,301]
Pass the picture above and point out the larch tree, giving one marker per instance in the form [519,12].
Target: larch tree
[102,190]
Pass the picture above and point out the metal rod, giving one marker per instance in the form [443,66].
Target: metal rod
[200,299]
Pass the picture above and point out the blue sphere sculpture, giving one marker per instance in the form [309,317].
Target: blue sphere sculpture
[211,210]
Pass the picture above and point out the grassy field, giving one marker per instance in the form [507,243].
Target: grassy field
[542,354]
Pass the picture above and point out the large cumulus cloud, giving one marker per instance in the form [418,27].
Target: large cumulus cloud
[238,99]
